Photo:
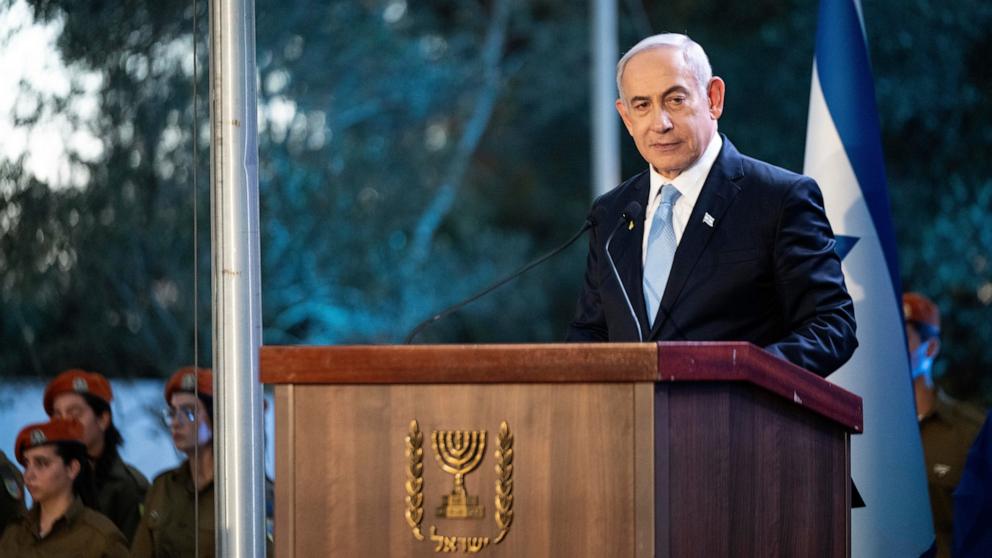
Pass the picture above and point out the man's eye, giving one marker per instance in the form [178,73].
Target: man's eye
[677,100]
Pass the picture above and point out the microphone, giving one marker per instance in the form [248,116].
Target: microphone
[589,223]
[628,217]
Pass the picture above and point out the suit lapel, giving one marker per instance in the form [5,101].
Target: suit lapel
[717,194]
[627,249]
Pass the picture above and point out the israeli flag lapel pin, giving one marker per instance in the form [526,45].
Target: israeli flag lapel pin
[708,219]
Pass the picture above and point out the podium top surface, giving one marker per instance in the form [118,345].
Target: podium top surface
[561,363]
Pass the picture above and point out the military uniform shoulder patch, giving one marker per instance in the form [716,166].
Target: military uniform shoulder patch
[10,483]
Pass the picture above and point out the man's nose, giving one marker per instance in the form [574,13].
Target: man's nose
[661,121]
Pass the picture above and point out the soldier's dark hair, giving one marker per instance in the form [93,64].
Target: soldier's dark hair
[83,486]
[112,438]
[208,402]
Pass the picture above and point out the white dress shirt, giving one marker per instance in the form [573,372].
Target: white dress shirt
[689,183]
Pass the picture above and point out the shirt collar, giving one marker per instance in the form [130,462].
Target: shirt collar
[184,476]
[34,518]
[689,182]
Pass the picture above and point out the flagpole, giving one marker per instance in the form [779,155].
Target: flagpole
[605,122]
[238,434]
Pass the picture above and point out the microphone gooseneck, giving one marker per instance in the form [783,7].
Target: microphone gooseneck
[629,216]
[589,223]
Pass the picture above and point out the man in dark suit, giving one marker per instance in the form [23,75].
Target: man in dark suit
[727,248]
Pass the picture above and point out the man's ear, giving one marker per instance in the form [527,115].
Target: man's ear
[933,347]
[625,116]
[715,94]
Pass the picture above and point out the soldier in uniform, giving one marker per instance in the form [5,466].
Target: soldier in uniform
[179,509]
[120,488]
[59,477]
[12,495]
[947,427]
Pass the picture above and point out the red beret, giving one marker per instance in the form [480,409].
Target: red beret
[77,381]
[918,308]
[189,379]
[55,430]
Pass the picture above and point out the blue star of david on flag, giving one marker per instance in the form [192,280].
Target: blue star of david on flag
[844,244]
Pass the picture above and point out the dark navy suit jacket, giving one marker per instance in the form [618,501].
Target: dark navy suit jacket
[765,271]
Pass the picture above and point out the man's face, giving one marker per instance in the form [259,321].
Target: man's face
[670,116]
[73,406]
[190,423]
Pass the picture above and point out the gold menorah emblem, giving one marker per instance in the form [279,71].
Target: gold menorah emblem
[459,452]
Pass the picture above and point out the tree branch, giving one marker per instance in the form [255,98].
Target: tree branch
[439,207]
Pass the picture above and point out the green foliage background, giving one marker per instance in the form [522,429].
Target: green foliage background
[433,146]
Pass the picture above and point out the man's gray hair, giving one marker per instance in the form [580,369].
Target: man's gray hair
[695,57]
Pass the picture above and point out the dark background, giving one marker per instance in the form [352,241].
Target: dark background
[433,146]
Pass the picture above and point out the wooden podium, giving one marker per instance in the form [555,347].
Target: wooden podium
[577,450]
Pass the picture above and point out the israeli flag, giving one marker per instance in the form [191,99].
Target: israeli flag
[844,155]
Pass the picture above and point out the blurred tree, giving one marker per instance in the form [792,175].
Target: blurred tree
[117,283]
[410,147]
[935,99]
[390,162]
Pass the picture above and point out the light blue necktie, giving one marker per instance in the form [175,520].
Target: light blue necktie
[661,252]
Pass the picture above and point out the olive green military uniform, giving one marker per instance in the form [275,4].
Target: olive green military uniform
[166,528]
[947,433]
[170,526]
[11,493]
[80,533]
[120,493]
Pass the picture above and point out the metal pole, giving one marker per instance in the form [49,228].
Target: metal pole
[237,334]
[605,121]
